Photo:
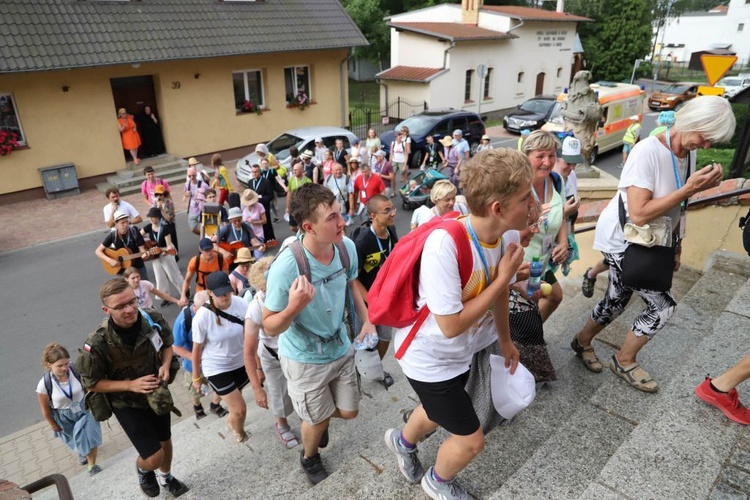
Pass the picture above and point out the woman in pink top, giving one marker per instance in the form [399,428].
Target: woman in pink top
[254,213]
[143,289]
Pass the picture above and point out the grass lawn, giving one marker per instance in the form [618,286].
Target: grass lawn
[364,94]
[715,155]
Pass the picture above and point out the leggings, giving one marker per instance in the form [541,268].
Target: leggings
[660,306]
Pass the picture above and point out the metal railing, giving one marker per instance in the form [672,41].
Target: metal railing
[58,480]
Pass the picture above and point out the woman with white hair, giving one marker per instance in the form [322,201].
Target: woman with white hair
[443,196]
[657,181]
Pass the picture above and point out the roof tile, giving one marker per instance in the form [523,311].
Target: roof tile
[409,73]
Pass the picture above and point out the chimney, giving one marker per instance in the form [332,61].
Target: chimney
[470,11]
[560,6]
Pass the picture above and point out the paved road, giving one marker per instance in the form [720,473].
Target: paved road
[50,294]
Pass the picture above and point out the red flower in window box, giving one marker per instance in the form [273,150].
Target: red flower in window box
[8,142]
[250,107]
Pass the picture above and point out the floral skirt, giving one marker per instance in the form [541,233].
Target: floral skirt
[527,333]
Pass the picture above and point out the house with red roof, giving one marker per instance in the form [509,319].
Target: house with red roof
[479,57]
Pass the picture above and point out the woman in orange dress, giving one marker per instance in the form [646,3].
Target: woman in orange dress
[130,138]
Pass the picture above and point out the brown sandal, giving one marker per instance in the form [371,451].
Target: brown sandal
[634,375]
[587,355]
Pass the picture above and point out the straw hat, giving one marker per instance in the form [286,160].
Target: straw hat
[446,141]
[249,197]
[243,255]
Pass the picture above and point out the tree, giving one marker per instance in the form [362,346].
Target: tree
[368,16]
[620,34]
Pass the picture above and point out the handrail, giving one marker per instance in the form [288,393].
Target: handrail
[719,196]
[58,480]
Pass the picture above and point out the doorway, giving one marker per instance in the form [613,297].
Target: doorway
[539,84]
[136,94]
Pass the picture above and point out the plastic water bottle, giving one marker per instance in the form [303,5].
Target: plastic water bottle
[205,390]
[535,278]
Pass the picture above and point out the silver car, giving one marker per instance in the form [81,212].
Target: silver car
[303,138]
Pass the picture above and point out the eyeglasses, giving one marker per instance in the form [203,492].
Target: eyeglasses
[157,195]
[387,211]
[133,303]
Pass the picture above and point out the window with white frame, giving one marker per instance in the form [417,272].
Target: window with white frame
[297,83]
[520,77]
[9,121]
[487,79]
[248,87]
[741,27]
[467,86]
[559,72]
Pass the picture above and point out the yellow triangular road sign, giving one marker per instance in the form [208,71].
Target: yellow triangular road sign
[716,66]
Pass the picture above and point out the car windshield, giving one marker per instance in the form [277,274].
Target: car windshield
[537,105]
[731,82]
[280,146]
[675,89]
[419,124]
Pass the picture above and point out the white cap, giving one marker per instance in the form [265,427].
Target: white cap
[368,364]
[571,150]
[119,214]
[261,148]
[510,393]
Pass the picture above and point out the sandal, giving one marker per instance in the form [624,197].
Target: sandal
[218,410]
[587,355]
[634,375]
[286,435]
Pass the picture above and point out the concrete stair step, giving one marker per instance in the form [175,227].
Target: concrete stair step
[651,462]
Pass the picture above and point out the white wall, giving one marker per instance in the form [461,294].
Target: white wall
[416,50]
[443,13]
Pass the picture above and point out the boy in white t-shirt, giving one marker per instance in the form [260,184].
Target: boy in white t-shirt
[497,186]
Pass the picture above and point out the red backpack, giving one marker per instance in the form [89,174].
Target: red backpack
[392,298]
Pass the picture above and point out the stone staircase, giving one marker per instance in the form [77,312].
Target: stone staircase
[586,436]
[168,167]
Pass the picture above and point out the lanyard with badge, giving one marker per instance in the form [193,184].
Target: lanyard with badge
[75,408]
[363,194]
[678,182]
[480,251]
[380,245]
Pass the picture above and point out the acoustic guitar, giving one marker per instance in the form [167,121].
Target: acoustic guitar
[232,249]
[123,258]
[155,251]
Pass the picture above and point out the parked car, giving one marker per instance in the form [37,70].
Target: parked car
[438,123]
[673,96]
[532,114]
[733,85]
[303,138]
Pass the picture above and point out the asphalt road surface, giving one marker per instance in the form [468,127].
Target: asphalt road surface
[50,293]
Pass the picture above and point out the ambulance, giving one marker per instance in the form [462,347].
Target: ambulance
[619,102]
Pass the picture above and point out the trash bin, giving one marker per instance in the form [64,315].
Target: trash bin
[60,180]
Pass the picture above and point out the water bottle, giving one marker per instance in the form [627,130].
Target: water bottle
[535,278]
[205,390]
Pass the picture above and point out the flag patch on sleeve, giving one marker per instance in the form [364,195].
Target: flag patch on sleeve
[86,347]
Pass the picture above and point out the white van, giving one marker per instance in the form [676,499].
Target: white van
[619,102]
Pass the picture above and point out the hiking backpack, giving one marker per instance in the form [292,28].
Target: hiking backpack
[392,299]
[48,381]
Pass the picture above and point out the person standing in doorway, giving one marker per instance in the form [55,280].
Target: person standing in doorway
[129,134]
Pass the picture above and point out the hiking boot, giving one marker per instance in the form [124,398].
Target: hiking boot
[324,439]
[199,412]
[175,486]
[313,467]
[408,460]
[727,402]
[148,482]
[218,410]
[447,490]
[587,287]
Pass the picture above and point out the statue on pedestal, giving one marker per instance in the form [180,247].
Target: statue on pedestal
[582,114]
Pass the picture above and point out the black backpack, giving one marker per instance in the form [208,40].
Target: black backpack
[745,226]
[48,381]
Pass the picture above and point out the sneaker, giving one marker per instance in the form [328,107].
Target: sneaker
[82,460]
[164,303]
[199,412]
[324,439]
[408,460]
[218,410]
[728,403]
[587,287]
[313,467]
[175,487]
[148,483]
[275,220]
[94,470]
[443,491]
[387,380]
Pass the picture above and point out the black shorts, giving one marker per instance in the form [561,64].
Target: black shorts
[549,277]
[145,429]
[224,383]
[448,405]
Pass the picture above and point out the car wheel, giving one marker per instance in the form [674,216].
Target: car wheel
[679,106]
[653,109]
[416,159]
[594,155]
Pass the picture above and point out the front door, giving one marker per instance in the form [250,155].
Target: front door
[135,94]
[539,84]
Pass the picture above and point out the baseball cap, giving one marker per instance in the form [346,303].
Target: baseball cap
[160,189]
[218,283]
[571,150]
[205,244]
[458,132]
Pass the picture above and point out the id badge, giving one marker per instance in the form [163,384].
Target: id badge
[156,341]
[548,244]
[76,407]
[364,196]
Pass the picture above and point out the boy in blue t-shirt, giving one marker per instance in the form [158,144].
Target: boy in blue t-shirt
[315,353]
[183,347]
